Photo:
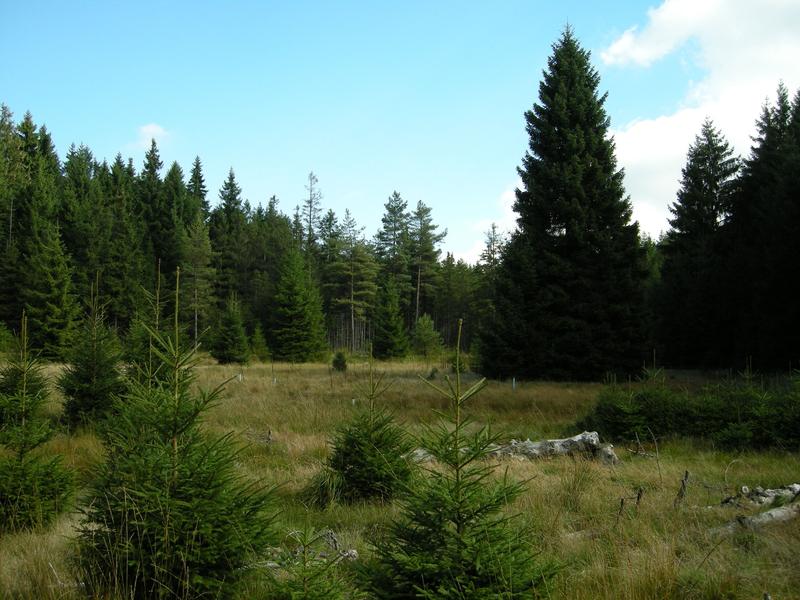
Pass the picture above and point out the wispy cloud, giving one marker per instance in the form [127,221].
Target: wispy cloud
[504,217]
[745,49]
[151,131]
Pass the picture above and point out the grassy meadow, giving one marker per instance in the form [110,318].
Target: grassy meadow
[284,416]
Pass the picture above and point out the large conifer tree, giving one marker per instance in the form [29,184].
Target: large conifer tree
[688,298]
[570,291]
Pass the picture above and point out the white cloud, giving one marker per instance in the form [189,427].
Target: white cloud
[505,218]
[151,131]
[744,47]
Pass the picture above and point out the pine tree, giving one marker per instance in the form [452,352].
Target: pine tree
[311,216]
[230,344]
[298,332]
[350,281]
[570,299]
[33,489]
[389,339]
[689,293]
[166,515]
[92,378]
[423,241]
[258,344]
[392,247]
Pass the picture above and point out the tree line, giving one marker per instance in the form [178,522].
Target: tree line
[296,284]
[575,292]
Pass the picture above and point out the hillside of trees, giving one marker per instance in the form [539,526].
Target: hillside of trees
[575,292]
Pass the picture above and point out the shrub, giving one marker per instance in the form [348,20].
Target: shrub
[452,539]
[33,490]
[167,516]
[733,415]
[339,362]
[368,459]
[426,340]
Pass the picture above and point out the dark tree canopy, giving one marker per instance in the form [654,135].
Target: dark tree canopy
[569,299]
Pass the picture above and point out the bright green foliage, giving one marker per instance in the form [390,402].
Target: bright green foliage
[426,340]
[452,539]
[298,334]
[92,378]
[258,345]
[689,294]
[569,299]
[33,490]
[230,344]
[389,339]
[167,516]
[308,570]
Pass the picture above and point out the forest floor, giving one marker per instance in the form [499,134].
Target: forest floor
[573,507]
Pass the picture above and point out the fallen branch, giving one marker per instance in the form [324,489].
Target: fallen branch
[774,515]
[585,444]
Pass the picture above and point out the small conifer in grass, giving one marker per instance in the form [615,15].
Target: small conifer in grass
[230,343]
[258,344]
[390,339]
[452,539]
[33,489]
[144,364]
[93,377]
[308,570]
[166,515]
[427,341]
[369,458]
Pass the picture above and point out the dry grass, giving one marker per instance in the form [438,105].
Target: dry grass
[572,507]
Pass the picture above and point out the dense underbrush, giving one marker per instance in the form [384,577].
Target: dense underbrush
[732,415]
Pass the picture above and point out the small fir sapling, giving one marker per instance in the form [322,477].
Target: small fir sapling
[369,457]
[166,515]
[230,344]
[452,539]
[33,489]
[92,378]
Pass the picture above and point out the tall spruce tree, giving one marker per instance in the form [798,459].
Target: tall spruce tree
[227,233]
[298,332]
[196,188]
[197,277]
[759,240]
[389,338]
[689,292]
[569,298]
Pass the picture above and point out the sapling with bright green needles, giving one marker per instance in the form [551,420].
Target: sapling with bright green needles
[167,515]
[452,539]
[33,489]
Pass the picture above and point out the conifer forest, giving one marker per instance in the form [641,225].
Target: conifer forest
[209,396]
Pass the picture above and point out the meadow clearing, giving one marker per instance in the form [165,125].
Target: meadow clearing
[284,416]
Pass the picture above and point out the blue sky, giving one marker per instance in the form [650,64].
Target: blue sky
[426,98]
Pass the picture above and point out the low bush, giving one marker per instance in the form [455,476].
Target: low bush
[732,415]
